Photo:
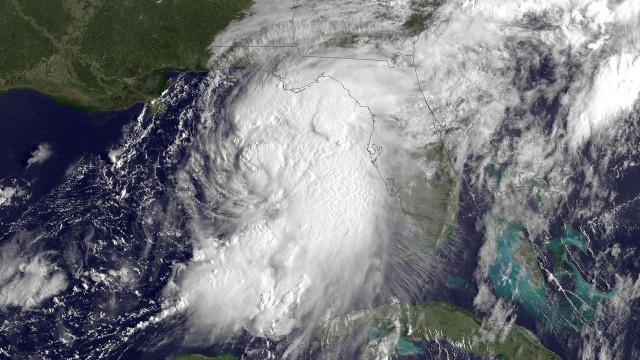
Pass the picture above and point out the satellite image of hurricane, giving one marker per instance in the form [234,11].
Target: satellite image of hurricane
[346,179]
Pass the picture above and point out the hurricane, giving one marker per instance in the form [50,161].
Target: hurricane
[344,175]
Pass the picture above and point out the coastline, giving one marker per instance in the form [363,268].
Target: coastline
[74,98]
[107,55]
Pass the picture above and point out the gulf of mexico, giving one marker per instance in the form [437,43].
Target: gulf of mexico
[29,119]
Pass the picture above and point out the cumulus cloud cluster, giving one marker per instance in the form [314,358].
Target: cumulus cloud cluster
[26,281]
[9,193]
[610,97]
[40,154]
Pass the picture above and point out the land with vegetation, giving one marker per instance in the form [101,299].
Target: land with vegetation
[107,54]
[436,321]
[421,12]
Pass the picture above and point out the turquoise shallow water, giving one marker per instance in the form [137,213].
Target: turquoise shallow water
[585,298]
[406,347]
[497,172]
[403,347]
[456,283]
[511,280]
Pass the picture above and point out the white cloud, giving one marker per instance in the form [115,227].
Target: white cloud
[40,154]
[611,95]
[306,206]
[26,282]
[9,193]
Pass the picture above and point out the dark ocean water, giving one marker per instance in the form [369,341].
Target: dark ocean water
[90,217]
[28,119]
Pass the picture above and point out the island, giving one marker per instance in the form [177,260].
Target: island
[435,321]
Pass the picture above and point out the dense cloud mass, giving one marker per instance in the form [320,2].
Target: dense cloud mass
[26,282]
[40,154]
[347,155]
[558,74]
[299,207]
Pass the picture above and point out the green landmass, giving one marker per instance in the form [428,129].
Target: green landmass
[343,40]
[432,201]
[421,13]
[202,357]
[526,257]
[107,54]
[437,321]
